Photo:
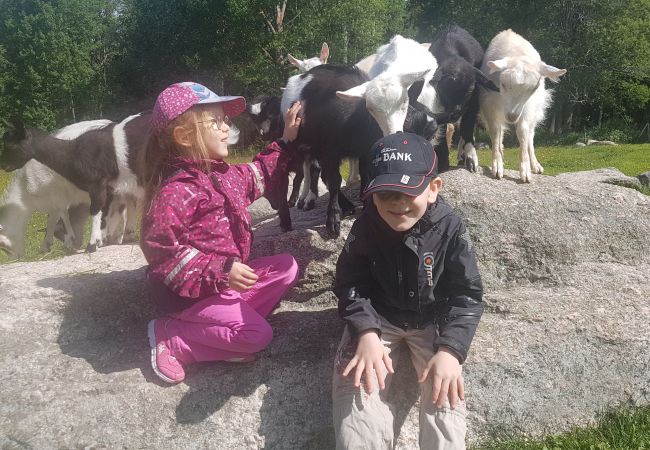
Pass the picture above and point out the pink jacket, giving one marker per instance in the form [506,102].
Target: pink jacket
[198,223]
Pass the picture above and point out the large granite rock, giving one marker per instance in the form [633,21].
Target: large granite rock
[566,265]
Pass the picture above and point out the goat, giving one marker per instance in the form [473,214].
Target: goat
[35,187]
[456,81]
[307,64]
[396,67]
[265,113]
[350,132]
[99,161]
[517,69]
[291,94]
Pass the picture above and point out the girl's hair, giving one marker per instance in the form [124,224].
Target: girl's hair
[161,148]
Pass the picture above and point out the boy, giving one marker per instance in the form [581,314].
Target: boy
[407,273]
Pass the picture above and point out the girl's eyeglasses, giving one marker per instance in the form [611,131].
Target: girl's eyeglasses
[217,122]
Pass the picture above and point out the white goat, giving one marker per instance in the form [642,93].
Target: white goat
[516,68]
[36,187]
[396,67]
[393,69]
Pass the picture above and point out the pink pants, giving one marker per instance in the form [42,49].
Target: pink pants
[232,324]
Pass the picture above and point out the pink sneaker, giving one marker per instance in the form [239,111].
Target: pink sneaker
[166,366]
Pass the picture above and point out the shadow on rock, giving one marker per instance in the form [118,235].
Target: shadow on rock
[105,319]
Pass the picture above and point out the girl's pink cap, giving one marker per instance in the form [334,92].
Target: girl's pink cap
[179,97]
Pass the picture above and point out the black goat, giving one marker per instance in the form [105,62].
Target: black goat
[334,129]
[456,82]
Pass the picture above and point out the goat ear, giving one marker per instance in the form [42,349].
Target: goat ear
[426,45]
[324,53]
[496,65]
[407,79]
[366,63]
[550,72]
[16,126]
[484,81]
[355,93]
[293,60]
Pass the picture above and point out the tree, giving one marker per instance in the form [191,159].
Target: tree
[58,55]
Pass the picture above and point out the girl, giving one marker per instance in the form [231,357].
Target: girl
[196,233]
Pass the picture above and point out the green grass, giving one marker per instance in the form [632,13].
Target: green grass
[624,428]
[629,159]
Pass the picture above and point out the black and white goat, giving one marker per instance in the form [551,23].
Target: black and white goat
[265,113]
[456,81]
[100,161]
[35,187]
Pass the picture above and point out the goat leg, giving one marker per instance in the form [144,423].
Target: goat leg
[98,201]
[295,187]
[441,149]
[467,124]
[332,176]
[314,175]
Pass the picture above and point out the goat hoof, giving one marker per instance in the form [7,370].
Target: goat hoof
[291,203]
[91,248]
[333,228]
[301,203]
[461,162]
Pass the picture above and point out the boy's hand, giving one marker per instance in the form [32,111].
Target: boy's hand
[370,355]
[292,121]
[241,277]
[446,378]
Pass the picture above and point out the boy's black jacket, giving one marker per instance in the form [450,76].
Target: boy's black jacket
[383,272]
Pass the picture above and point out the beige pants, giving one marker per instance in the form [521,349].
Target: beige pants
[364,421]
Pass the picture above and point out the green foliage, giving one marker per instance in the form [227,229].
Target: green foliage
[625,428]
[55,57]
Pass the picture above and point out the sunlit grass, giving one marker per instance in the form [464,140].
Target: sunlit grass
[624,428]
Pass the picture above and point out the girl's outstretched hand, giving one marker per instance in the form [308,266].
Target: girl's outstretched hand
[241,277]
[371,358]
[292,120]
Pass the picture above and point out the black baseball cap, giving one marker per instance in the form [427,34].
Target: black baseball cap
[401,162]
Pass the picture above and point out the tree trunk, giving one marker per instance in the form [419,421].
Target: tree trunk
[346,39]
[600,116]
[74,115]
[552,125]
